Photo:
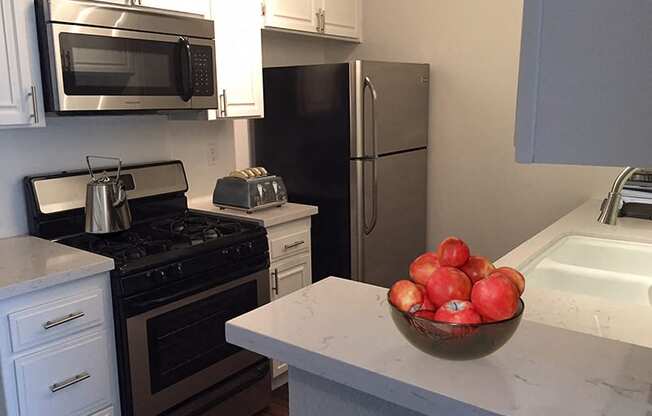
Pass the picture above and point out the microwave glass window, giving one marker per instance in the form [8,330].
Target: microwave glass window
[100,65]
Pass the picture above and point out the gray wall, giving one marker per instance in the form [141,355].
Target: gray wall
[476,190]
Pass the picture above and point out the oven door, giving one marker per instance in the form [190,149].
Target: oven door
[101,69]
[178,348]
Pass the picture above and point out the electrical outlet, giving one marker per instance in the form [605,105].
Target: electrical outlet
[212,154]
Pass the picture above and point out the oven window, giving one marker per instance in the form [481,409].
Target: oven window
[191,338]
[101,65]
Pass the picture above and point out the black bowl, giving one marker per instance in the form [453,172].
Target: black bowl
[456,341]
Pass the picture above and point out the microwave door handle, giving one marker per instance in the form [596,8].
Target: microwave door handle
[187,84]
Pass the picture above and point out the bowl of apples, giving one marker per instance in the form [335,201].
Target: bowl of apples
[457,306]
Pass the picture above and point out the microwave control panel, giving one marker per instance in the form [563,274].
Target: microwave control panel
[202,71]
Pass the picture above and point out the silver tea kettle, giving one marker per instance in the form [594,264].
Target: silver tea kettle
[107,208]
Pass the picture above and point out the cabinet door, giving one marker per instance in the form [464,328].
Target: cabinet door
[342,18]
[290,275]
[200,7]
[585,84]
[21,97]
[286,277]
[238,54]
[292,14]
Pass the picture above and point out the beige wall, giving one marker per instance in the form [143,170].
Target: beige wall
[476,190]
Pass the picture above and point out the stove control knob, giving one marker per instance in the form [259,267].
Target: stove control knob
[160,275]
[177,269]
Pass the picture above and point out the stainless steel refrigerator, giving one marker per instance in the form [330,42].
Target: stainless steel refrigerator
[352,139]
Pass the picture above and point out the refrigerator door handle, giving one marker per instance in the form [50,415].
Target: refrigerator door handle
[369,227]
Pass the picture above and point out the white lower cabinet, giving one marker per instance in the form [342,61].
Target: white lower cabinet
[291,265]
[72,378]
[286,277]
[57,351]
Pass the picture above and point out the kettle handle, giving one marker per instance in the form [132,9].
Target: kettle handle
[90,169]
[122,195]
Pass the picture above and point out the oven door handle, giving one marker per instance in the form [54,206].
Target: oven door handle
[185,60]
[149,304]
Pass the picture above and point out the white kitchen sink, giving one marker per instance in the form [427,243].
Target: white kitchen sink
[618,271]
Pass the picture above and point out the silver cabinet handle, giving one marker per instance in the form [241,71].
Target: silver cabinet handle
[318,14]
[368,228]
[275,282]
[63,320]
[69,382]
[223,99]
[32,93]
[293,245]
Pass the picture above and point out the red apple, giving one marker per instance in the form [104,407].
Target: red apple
[426,305]
[515,276]
[448,283]
[429,315]
[458,312]
[405,295]
[423,267]
[496,298]
[453,252]
[477,268]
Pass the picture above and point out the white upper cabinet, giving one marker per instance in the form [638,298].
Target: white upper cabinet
[300,15]
[339,19]
[585,84]
[21,97]
[200,7]
[342,17]
[238,52]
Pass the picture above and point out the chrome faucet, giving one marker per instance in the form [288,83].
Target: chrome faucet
[611,206]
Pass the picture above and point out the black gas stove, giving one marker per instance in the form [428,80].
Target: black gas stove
[179,276]
[152,243]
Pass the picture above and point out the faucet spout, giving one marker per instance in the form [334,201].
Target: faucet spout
[611,206]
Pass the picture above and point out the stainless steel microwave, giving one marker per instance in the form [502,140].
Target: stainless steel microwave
[100,56]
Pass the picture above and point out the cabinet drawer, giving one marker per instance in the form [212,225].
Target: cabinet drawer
[71,379]
[105,412]
[289,244]
[57,319]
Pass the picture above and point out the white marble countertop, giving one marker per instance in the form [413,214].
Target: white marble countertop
[30,263]
[266,218]
[587,314]
[342,331]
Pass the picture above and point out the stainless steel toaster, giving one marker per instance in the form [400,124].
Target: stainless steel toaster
[250,190]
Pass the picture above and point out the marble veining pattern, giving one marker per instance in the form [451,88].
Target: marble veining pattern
[341,330]
[29,263]
[583,313]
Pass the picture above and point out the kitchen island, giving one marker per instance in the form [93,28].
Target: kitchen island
[347,358]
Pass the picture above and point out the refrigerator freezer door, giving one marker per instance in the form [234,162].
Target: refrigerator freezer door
[384,255]
[401,107]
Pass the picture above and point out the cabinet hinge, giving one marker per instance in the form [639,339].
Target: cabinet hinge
[262,8]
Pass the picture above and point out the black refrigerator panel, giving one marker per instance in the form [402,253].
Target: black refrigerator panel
[305,138]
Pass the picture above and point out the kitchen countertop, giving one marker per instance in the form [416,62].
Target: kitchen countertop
[342,331]
[30,263]
[266,218]
[590,315]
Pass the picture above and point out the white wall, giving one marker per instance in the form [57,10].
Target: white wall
[476,190]
[63,144]
[287,49]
